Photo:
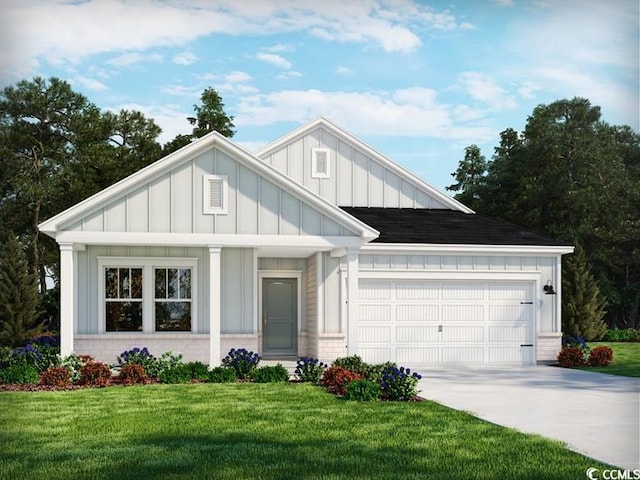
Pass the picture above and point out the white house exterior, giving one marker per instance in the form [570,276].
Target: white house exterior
[316,245]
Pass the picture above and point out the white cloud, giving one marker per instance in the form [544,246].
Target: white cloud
[342,70]
[274,59]
[128,59]
[485,89]
[279,48]
[184,58]
[288,74]
[89,83]
[412,112]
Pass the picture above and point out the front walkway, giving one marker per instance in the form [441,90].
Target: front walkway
[595,414]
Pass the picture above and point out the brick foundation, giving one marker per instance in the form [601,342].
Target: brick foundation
[549,345]
[331,346]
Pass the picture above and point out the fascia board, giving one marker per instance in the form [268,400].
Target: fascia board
[447,249]
[371,152]
[206,239]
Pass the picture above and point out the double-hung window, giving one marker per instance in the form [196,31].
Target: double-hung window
[147,294]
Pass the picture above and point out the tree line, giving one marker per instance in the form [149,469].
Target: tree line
[574,177]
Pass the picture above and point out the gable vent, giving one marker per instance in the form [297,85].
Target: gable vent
[320,163]
[215,194]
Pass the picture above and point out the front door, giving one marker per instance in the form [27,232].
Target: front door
[279,316]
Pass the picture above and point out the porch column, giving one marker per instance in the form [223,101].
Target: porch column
[352,302]
[67,298]
[214,305]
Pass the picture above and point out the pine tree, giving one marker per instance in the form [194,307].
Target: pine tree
[583,304]
[18,296]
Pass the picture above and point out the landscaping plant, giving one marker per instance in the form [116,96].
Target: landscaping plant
[363,390]
[399,383]
[270,374]
[96,374]
[58,377]
[40,352]
[335,379]
[571,357]
[601,356]
[133,374]
[199,370]
[353,363]
[242,361]
[178,374]
[309,369]
[19,373]
[222,375]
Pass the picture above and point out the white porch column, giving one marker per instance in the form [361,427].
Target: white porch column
[67,298]
[352,302]
[215,285]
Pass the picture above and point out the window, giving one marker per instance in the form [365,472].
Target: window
[320,163]
[215,194]
[173,299]
[147,294]
[123,299]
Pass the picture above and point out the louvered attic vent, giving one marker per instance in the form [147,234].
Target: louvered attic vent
[320,163]
[215,194]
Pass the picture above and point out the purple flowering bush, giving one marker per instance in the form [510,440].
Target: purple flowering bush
[309,369]
[399,383]
[41,353]
[242,361]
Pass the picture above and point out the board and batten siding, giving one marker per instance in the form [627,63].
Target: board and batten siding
[236,289]
[355,180]
[543,266]
[173,203]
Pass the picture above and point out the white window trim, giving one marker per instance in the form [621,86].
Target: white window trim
[207,209]
[314,163]
[148,288]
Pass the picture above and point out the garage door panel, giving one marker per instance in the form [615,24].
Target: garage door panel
[375,313]
[463,291]
[510,291]
[417,291]
[417,356]
[427,334]
[375,291]
[374,334]
[516,334]
[463,334]
[375,354]
[462,313]
[462,354]
[417,313]
[500,313]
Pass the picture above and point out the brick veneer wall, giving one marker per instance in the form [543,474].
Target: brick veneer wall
[549,345]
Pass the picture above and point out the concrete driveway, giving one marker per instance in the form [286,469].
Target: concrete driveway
[595,414]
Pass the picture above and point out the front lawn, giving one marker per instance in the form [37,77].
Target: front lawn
[626,359]
[260,431]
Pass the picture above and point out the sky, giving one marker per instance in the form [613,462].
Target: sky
[416,80]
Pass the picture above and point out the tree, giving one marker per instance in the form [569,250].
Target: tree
[469,175]
[574,177]
[210,116]
[18,296]
[583,307]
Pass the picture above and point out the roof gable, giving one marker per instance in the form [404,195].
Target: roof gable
[167,197]
[360,175]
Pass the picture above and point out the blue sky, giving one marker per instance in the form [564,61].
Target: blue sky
[417,80]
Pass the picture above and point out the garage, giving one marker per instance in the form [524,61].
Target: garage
[425,322]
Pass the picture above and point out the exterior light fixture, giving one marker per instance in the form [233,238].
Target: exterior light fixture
[548,288]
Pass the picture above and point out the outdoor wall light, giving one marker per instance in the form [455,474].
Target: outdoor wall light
[548,288]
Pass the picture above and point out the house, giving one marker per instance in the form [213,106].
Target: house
[315,245]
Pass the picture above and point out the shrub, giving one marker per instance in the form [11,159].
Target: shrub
[20,373]
[363,390]
[96,374]
[622,335]
[571,357]
[166,361]
[309,369]
[242,361]
[374,372]
[59,377]
[41,353]
[6,356]
[399,383]
[199,370]
[133,374]
[74,363]
[601,356]
[178,374]
[222,375]
[335,379]
[139,356]
[270,374]
[353,363]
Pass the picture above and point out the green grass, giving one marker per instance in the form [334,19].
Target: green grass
[626,359]
[266,431]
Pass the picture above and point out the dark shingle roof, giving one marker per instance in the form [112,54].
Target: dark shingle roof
[411,225]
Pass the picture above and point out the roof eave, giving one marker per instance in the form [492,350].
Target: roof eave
[503,250]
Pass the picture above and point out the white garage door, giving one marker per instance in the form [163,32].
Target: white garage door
[421,322]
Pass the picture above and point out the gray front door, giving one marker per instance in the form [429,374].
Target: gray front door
[279,316]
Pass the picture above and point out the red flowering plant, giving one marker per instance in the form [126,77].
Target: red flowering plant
[336,379]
